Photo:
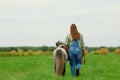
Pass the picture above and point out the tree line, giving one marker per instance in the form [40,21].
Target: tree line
[42,48]
[51,48]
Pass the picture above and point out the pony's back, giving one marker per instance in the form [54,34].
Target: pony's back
[59,62]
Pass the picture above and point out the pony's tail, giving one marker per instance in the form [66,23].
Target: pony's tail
[59,62]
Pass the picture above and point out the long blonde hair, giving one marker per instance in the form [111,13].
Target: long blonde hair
[59,62]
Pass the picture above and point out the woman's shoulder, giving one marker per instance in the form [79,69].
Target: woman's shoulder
[81,35]
[68,35]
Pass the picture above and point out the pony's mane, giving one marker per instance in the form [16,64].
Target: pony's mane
[59,54]
[64,47]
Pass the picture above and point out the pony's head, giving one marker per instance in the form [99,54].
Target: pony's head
[59,43]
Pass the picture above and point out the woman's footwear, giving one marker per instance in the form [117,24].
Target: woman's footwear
[77,72]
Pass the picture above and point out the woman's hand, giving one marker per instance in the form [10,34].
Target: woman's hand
[83,57]
[83,53]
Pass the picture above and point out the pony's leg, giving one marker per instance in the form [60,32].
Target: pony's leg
[55,67]
[64,69]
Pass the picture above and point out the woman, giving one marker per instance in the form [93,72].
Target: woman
[75,56]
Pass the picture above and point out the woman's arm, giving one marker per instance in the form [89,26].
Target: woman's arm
[82,42]
[67,41]
[82,45]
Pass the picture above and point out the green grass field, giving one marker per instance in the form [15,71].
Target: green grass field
[98,67]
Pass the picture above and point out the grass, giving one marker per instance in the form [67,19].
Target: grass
[98,67]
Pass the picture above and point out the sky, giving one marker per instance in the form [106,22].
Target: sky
[44,22]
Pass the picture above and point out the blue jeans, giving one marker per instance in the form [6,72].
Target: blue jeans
[75,62]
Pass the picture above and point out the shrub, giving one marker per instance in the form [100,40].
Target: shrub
[20,52]
[117,51]
[39,52]
[1,54]
[104,51]
[95,52]
[13,53]
[29,52]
